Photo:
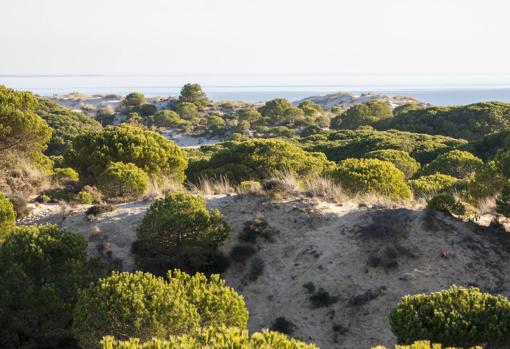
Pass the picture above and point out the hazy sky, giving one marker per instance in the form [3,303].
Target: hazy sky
[254,36]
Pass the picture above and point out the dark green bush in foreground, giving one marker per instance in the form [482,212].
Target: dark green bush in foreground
[41,268]
[457,316]
[179,232]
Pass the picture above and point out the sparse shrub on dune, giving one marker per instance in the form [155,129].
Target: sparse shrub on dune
[179,232]
[430,185]
[371,175]
[61,175]
[446,203]
[457,316]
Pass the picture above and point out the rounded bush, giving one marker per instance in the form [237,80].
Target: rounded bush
[446,203]
[65,174]
[455,163]
[179,232]
[402,160]
[503,200]
[7,216]
[121,180]
[166,118]
[41,268]
[427,186]
[84,198]
[258,159]
[91,153]
[193,93]
[362,114]
[457,316]
[371,176]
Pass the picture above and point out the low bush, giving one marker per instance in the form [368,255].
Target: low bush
[446,203]
[84,198]
[371,176]
[422,345]
[457,316]
[121,180]
[20,206]
[179,232]
[401,159]
[246,187]
[97,210]
[455,163]
[503,200]
[61,175]
[427,186]
[7,216]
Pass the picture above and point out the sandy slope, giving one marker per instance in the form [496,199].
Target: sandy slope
[367,258]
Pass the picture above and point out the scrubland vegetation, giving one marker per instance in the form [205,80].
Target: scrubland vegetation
[449,159]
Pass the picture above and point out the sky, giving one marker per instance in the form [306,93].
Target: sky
[374,37]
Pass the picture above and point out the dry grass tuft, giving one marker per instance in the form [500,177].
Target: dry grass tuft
[160,187]
[324,188]
[25,180]
[208,186]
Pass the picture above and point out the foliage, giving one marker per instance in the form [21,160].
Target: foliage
[362,114]
[421,345]
[345,144]
[280,111]
[427,186]
[167,118]
[21,129]
[42,268]
[257,159]
[179,232]
[249,187]
[446,203]
[215,338]
[471,122]
[456,316]
[145,306]
[91,153]
[7,216]
[187,110]
[61,175]
[402,160]
[121,180]
[147,109]
[455,163]
[371,176]
[193,93]
[65,124]
[503,200]
[132,102]
[250,115]
[84,198]
[215,123]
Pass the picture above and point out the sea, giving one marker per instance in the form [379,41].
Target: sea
[439,90]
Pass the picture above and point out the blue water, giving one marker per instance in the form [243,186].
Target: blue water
[256,88]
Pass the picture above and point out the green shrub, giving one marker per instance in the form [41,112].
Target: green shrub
[61,175]
[84,198]
[145,306]
[193,93]
[7,216]
[402,160]
[362,114]
[421,345]
[97,210]
[457,316]
[371,176]
[121,180]
[187,111]
[132,102]
[41,268]
[91,153]
[456,163]
[503,200]
[427,186]
[179,232]
[248,187]
[147,110]
[446,203]
[19,204]
[258,159]
[215,338]
[167,118]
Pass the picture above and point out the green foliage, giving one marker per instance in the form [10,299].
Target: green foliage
[179,232]
[41,268]
[147,110]
[258,159]
[132,102]
[84,198]
[345,144]
[427,186]
[249,186]
[145,306]
[371,176]
[187,110]
[405,108]
[91,153]
[65,124]
[250,115]
[488,181]
[362,114]
[215,123]
[455,163]
[471,122]
[61,175]
[422,345]
[456,316]
[167,118]
[22,131]
[280,111]
[193,93]
[7,216]
[402,160]
[121,180]
[446,203]
[503,200]
[215,338]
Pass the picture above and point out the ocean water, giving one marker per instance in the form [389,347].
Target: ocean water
[455,91]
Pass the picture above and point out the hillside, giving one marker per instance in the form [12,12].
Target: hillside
[365,258]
